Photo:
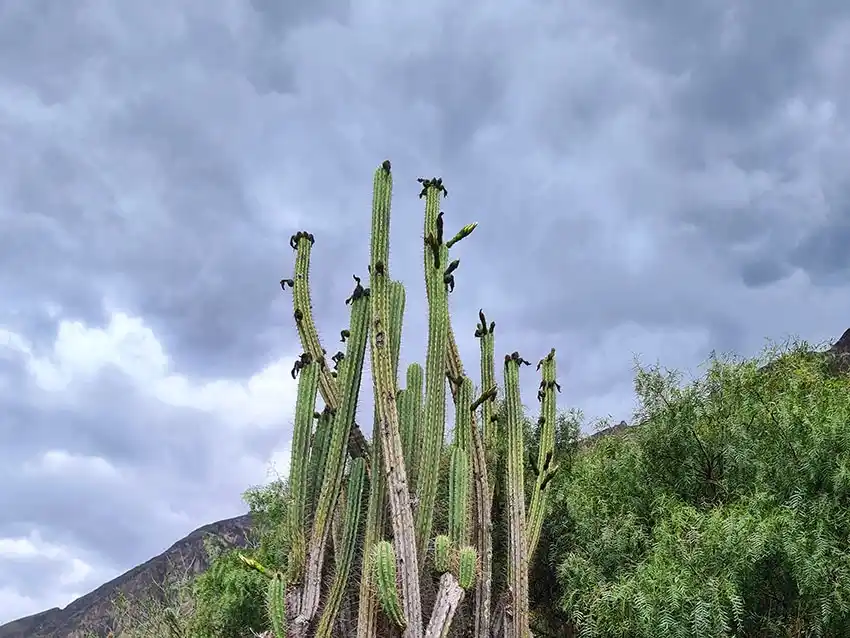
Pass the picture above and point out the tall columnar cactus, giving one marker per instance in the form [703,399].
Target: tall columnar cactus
[401,468]
[518,563]
[351,371]
[345,551]
[384,379]
[304,408]
[545,467]
[375,517]
[436,267]
[411,419]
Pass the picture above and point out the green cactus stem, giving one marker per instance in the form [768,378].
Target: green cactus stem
[305,406]
[384,381]
[545,465]
[467,567]
[276,605]
[344,552]
[351,372]
[459,483]
[518,563]
[375,519]
[384,566]
[302,242]
[411,420]
[484,333]
[460,470]
[376,513]
[483,495]
[442,553]
[435,260]
[318,456]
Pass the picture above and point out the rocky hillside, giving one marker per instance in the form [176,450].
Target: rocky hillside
[187,556]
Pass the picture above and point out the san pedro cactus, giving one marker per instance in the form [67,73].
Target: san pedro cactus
[380,564]
[275,605]
[383,563]
[466,566]
[442,553]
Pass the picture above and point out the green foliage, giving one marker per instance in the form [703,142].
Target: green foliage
[230,600]
[724,513]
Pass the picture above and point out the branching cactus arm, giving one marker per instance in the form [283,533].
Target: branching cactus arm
[460,470]
[302,242]
[484,333]
[367,609]
[318,456]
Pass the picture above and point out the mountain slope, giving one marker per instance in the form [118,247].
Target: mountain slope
[93,610]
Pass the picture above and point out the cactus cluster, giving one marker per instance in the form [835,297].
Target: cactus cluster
[411,580]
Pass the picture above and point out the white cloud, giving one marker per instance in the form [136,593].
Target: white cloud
[63,462]
[126,343]
[13,605]
[33,547]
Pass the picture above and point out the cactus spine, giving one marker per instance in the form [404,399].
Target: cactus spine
[406,452]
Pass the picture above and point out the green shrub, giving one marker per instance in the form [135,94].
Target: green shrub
[724,513]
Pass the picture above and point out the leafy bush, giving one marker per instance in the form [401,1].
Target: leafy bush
[724,513]
[229,598]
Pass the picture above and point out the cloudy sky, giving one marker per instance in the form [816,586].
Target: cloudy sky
[651,178]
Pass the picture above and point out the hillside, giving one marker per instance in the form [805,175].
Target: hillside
[186,556]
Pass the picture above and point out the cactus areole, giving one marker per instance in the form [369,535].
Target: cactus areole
[374,565]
